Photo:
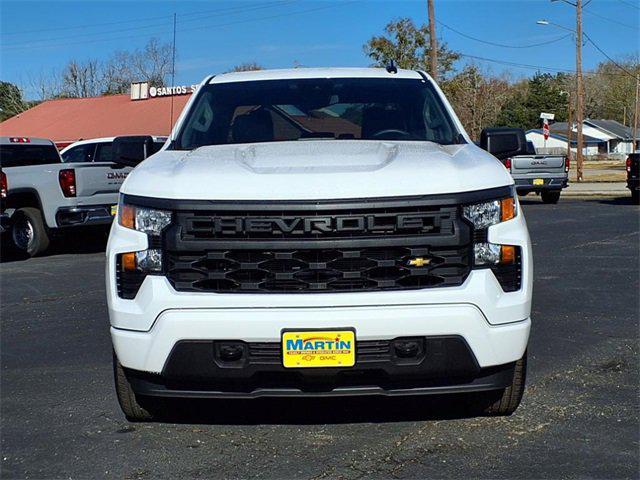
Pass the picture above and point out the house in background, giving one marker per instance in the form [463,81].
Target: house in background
[610,137]
[557,142]
[619,137]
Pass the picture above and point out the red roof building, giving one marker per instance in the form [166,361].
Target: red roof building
[70,119]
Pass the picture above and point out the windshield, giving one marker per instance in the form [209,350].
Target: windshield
[25,155]
[304,109]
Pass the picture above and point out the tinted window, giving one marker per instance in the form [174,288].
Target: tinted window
[104,152]
[81,153]
[340,109]
[23,155]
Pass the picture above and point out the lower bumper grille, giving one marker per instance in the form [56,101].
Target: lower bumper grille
[317,270]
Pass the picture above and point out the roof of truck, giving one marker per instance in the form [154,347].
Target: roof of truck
[298,73]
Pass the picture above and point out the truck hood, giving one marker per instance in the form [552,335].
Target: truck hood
[314,170]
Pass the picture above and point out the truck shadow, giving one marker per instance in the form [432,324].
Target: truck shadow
[305,411]
[92,241]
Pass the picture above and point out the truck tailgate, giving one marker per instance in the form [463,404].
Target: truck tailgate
[98,178]
[536,164]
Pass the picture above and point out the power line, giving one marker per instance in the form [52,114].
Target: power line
[166,32]
[610,20]
[629,4]
[533,67]
[135,20]
[142,27]
[502,44]
[632,75]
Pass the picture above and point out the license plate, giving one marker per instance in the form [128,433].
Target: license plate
[538,181]
[318,348]
[114,210]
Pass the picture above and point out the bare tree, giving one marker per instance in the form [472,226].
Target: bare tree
[151,64]
[477,98]
[82,79]
[247,67]
[44,85]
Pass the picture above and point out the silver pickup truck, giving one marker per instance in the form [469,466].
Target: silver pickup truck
[546,175]
[43,196]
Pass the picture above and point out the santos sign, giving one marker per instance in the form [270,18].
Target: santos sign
[167,91]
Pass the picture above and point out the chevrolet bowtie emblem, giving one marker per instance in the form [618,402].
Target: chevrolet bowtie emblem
[419,262]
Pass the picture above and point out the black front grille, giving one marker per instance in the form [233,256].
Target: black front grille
[317,247]
[336,270]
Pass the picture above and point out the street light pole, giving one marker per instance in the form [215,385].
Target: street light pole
[433,41]
[579,83]
[580,92]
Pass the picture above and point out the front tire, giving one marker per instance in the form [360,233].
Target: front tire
[503,402]
[133,407]
[28,232]
[550,197]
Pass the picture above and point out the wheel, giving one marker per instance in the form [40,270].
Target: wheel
[550,197]
[134,408]
[635,197]
[28,231]
[503,402]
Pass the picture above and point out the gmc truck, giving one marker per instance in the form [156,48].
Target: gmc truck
[43,197]
[320,232]
[545,175]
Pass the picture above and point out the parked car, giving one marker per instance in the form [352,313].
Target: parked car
[97,150]
[545,175]
[633,176]
[320,232]
[45,197]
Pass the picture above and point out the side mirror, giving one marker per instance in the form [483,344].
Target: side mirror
[504,142]
[131,150]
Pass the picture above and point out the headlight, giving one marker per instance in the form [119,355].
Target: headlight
[143,219]
[486,214]
[482,216]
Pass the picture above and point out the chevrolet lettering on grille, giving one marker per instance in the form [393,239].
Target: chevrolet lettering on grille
[381,223]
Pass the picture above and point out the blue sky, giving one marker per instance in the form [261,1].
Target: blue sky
[215,35]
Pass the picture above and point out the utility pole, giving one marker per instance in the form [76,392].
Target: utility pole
[635,116]
[433,41]
[173,74]
[569,126]
[580,92]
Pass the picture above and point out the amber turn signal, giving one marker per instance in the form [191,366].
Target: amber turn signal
[128,261]
[127,215]
[507,254]
[508,209]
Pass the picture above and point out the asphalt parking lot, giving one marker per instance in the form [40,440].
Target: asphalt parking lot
[579,417]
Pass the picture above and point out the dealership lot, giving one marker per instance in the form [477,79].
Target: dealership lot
[579,417]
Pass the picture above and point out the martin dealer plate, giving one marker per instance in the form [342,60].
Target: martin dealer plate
[318,348]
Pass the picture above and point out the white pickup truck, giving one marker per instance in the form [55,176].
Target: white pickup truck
[43,197]
[320,232]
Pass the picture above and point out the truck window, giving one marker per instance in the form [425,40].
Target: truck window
[104,152]
[81,153]
[24,155]
[303,109]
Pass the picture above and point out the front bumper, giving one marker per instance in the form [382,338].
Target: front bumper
[84,215]
[443,364]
